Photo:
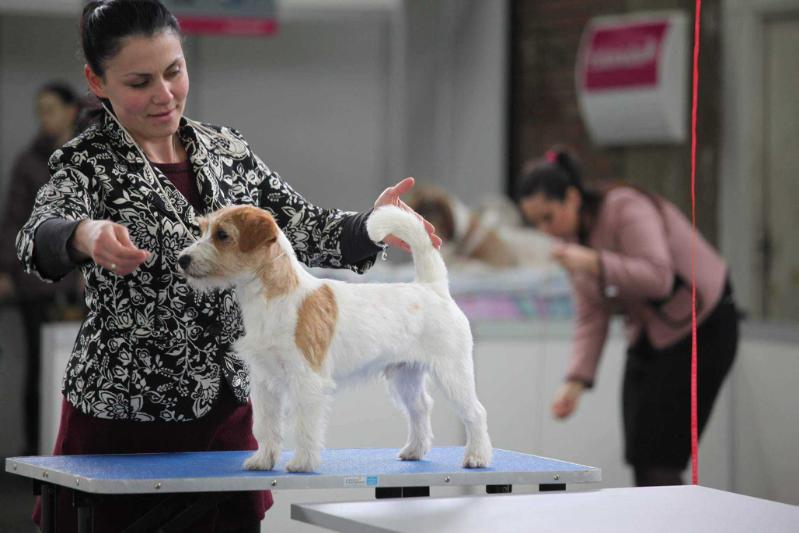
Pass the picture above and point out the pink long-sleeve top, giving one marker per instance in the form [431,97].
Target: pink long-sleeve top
[643,249]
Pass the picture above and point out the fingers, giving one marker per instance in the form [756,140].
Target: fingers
[431,230]
[560,254]
[560,410]
[391,196]
[559,250]
[563,407]
[566,399]
[427,225]
[114,251]
[123,236]
[404,186]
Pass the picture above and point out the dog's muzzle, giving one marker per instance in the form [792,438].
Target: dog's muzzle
[185,263]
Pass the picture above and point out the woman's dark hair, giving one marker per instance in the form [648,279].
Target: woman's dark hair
[553,175]
[63,91]
[105,23]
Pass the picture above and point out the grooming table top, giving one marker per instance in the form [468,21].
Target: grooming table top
[341,468]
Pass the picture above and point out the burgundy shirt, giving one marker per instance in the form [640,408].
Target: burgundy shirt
[182,177]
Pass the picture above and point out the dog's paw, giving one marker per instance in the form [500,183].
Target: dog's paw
[411,453]
[476,460]
[303,462]
[261,460]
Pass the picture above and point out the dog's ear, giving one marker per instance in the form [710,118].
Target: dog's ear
[256,228]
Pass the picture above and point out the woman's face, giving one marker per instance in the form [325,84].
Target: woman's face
[558,218]
[57,119]
[147,84]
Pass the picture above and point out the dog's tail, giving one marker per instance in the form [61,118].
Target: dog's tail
[393,220]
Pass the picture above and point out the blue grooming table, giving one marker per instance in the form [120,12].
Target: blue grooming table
[220,472]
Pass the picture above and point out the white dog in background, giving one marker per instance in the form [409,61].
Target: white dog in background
[304,334]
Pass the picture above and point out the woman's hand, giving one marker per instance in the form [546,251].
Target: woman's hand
[567,398]
[109,245]
[576,258]
[391,196]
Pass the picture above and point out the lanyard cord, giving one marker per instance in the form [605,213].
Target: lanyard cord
[153,176]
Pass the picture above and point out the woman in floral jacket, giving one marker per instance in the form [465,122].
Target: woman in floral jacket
[152,368]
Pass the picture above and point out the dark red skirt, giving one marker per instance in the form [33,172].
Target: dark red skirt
[227,427]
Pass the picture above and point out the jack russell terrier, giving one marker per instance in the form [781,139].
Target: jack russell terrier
[304,334]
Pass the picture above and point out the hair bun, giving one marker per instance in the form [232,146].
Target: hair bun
[563,157]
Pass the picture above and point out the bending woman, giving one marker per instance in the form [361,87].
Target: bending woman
[629,251]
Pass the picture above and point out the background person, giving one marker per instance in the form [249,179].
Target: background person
[57,109]
[153,369]
[629,251]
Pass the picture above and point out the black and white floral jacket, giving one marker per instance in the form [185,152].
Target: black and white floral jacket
[151,348]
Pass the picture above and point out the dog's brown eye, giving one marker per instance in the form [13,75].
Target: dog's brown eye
[221,235]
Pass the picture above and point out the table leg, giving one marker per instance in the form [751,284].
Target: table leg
[49,493]
[84,503]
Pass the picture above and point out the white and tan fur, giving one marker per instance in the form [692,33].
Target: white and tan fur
[303,335]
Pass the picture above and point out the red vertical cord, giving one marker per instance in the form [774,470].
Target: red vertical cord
[694,355]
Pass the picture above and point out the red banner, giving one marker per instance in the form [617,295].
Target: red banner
[624,56]
[227,25]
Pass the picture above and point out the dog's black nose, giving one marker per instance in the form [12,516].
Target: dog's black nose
[184,261]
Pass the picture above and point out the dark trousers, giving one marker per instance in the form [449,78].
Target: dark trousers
[656,396]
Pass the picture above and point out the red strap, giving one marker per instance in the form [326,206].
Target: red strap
[694,355]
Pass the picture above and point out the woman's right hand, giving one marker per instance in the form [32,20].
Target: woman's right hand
[567,398]
[109,245]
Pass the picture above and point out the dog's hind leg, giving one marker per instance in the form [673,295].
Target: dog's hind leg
[310,402]
[267,426]
[406,383]
[455,377]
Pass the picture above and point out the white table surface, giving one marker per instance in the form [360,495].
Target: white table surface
[652,509]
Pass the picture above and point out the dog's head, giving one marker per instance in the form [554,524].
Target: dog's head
[237,243]
[436,207]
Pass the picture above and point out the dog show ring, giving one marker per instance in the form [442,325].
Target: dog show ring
[205,477]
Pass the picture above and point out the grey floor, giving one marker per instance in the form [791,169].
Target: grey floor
[16,494]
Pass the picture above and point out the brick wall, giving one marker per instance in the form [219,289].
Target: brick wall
[544,111]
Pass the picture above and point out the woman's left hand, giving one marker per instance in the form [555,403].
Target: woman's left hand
[576,258]
[391,196]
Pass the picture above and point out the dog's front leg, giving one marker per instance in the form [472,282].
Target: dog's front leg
[267,425]
[310,402]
